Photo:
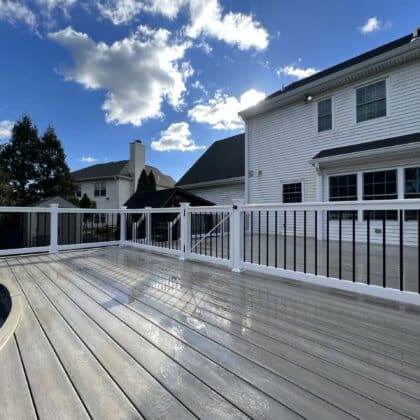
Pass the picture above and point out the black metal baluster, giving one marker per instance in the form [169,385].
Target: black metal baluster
[384,250]
[266,239]
[259,238]
[228,238]
[354,246]
[201,231]
[328,244]
[223,233]
[368,246]
[340,254]
[285,241]
[244,237]
[275,238]
[401,250]
[316,242]
[304,241]
[211,234]
[217,233]
[192,228]
[418,250]
[252,236]
[294,240]
[205,233]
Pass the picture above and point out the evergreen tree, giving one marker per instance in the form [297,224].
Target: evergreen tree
[143,182]
[55,178]
[151,181]
[6,190]
[85,202]
[19,160]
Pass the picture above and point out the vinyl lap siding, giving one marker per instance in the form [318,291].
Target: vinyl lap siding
[222,194]
[282,142]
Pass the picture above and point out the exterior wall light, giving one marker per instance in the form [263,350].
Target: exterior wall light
[308,98]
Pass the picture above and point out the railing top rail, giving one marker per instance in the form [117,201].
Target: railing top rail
[202,209]
[407,204]
[152,210]
[25,209]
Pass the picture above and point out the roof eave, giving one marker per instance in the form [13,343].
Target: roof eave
[369,67]
[234,180]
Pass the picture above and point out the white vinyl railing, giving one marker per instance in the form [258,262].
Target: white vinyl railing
[371,247]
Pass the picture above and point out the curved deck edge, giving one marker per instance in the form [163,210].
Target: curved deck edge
[12,320]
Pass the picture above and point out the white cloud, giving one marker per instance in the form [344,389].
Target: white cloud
[50,5]
[176,137]
[299,73]
[88,159]
[221,111]
[138,72]
[15,11]
[234,28]
[6,129]
[372,24]
[206,18]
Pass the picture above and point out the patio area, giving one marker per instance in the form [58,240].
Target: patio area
[120,333]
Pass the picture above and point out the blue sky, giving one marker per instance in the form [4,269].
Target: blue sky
[172,73]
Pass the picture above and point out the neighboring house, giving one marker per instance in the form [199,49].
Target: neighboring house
[351,132]
[218,175]
[111,184]
[171,197]
[69,225]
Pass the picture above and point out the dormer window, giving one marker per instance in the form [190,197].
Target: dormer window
[371,101]
[325,115]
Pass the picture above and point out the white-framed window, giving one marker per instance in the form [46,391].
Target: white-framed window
[371,101]
[411,189]
[381,185]
[343,188]
[292,192]
[325,114]
[100,189]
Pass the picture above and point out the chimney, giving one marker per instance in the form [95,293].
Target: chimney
[137,160]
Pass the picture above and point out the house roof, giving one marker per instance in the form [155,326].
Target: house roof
[372,145]
[162,198]
[62,203]
[224,159]
[345,64]
[120,168]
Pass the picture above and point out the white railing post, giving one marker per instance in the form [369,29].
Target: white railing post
[53,228]
[185,230]
[148,216]
[123,225]
[236,242]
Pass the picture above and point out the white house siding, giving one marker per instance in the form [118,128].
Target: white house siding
[282,142]
[221,194]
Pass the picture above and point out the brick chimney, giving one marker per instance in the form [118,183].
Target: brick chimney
[137,160]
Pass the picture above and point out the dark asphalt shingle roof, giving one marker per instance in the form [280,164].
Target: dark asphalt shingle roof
[345,64]
[372,145]
[120,168]
[163,198]
[224,159]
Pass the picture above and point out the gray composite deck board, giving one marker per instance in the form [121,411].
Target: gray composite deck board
[121,333]
[293,371]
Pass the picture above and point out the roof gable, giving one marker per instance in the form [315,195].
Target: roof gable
[224,159]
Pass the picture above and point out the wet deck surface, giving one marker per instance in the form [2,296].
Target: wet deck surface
[119,333]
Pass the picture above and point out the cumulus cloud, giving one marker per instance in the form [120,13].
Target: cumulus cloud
[15,11]
[176,137]
[138,72]
[6,129]
[51,5]
[206,18]
[299,73]
[221,111]
[88,159]
[372,24]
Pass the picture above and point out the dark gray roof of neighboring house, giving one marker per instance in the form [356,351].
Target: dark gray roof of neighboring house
[160,199]
[372,145]
[224,159]
[345,64]
[120,168]
[62,203]
[102,170]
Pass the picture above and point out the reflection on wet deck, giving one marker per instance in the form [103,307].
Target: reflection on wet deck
[120,333]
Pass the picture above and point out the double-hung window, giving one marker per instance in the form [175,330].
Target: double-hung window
[100,189]
[371,101]
[292,193]
[411,189]
[325,115]
[343,188]
[380,185]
